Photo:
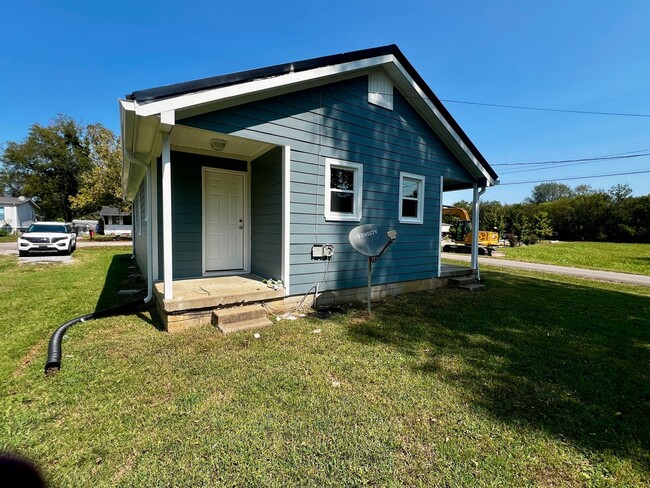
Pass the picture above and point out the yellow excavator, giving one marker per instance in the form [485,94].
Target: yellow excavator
[462,237]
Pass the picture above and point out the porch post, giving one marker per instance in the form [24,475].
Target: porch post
[286,217]
[440,227]
[475,228]
[153,165]
[167,216]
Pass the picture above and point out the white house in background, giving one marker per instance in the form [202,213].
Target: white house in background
[17,213]
[116,222]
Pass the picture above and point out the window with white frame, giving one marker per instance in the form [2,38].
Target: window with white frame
[411,198]
[343,190]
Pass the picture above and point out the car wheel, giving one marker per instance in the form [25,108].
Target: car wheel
[23,254]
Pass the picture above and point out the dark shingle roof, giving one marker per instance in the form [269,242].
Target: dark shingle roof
[170,91]
[14,200]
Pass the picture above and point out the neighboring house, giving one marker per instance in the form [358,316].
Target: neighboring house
[247,171]
[116,222]
[17,213]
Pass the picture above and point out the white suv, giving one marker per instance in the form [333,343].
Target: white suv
[48,236]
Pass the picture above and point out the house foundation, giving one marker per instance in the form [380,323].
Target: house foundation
[197,300]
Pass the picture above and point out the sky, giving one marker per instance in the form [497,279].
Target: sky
[79,57]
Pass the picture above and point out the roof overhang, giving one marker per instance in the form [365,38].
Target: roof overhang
[145,113]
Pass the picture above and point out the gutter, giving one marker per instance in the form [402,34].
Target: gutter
[149,212]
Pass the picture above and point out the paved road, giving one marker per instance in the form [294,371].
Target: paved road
[563,270]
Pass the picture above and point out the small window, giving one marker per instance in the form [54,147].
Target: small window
[115,220]
[126,219]
[343,189]
[411,198]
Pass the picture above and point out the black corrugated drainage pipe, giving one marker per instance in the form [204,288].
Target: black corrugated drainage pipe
[53,363]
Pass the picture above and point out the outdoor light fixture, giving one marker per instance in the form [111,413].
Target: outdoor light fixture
[218,144]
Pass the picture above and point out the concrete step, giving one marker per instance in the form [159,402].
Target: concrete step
[468,283]
[473,287]
[461,281]
[231,315]
[244,325]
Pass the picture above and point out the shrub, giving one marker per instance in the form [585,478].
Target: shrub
[4,232]
[530,239]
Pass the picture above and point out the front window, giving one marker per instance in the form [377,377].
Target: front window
[411,198]
[2,213]
[115,220]
[343,189]
[50,228]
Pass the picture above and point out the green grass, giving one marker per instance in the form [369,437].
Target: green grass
[608,256]
[9,238]
[540,381]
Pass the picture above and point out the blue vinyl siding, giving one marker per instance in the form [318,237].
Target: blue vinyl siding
[266,214]
[187,210]
[140,238]
[336,121]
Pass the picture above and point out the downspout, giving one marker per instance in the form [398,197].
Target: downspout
[148,213]
[475,229]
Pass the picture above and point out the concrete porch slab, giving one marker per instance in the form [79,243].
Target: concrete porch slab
[450,270]
[215,292]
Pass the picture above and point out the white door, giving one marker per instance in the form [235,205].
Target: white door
[223,220]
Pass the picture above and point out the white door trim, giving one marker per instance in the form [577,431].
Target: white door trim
[247,223]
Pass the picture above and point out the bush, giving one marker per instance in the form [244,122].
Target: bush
[513,240]
[4,232]
[530,239]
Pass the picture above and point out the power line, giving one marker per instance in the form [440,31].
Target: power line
[541,109]
[580,160]
[576,177]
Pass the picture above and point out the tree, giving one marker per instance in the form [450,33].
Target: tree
[620,192]
[47,165]
[550,192]
[100,184]
[491,215]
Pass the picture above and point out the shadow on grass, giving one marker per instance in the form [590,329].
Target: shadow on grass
[570,360]
[117,278]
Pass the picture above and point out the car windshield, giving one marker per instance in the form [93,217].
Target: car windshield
[47,228]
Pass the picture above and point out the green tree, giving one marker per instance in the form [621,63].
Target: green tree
[550,192]
[47,165]
[620,192]
[100,184]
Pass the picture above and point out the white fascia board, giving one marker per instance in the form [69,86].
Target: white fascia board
[127,119]
[290,79]
[413,86]
[129,125]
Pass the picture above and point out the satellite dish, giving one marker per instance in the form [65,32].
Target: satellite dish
[372,241]
[367,239]
[21,198]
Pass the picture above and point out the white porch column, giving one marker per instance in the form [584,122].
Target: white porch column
[475,228]
[286,217]
[154,216]
[167,216]
[442,181]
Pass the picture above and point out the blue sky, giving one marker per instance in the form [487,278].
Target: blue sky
[79,57]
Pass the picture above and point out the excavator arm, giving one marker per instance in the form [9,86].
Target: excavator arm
[461,213]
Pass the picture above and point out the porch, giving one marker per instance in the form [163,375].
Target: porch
[202,301]
[195,300]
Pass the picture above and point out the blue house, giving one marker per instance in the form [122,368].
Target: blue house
[238,176]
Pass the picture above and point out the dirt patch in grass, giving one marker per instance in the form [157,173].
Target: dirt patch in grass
[28,358]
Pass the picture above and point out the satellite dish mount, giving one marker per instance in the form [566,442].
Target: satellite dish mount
[371,241]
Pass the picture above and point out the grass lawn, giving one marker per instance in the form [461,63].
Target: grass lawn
[540,381]
[607,256]
[9,238]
